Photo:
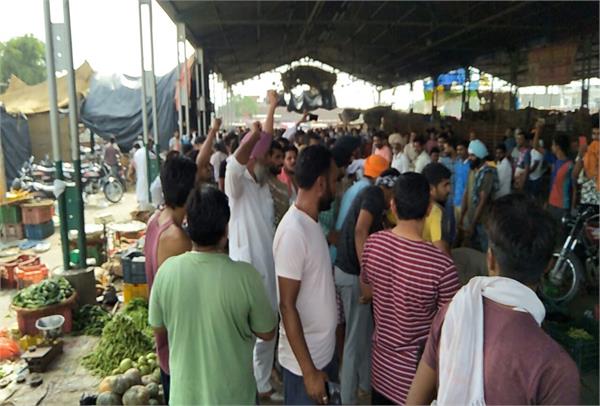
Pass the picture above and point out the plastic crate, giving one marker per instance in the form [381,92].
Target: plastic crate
[26,318]
[10,214]
[28,275]
[584,352]
[134,272]
[37,212]
[39,231]
[8,278]
[132,290]
[11,232]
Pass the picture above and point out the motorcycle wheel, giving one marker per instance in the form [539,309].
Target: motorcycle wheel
[113,191]
[561,286]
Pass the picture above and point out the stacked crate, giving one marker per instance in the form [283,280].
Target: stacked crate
[11,227]
[37,217]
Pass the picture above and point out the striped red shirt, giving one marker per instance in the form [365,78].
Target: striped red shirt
[411,280]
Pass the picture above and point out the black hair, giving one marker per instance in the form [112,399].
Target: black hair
[290,148]
[411,196]
[275,146]
[199,139]
[501,147]
[452,142]
[463,143]
[562,142]
[285,143]
[207,215]
[186,148]
[177,179]
[419,139]
[390,172]
[435,173]
[112,139]
[443,135]
[434,150]
[380,134]
[522,248]
[314,136]
[193,155]
[529,137]
[314,161]
[221,147]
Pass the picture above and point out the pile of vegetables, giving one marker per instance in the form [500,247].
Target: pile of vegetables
[46,293]
[90,320]
[121,339]
[131,387]
[579,334]
[137,309]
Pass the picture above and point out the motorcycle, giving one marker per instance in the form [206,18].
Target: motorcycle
[576,264]
[39,179]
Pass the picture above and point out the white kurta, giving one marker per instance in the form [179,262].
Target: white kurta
[251,225]
[141,171]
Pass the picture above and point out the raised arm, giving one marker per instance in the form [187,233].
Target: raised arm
[203,158]
[242,154]
[269,122]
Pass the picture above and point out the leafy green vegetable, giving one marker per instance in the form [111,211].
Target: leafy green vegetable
[90,320]
[120,339]
[46,293]
[137,309]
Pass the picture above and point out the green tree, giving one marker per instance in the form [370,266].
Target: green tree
[245,106]
[24,57]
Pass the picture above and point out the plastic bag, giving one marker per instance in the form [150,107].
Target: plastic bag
[9,348]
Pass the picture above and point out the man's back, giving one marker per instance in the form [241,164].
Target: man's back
[210,305]
[522,364]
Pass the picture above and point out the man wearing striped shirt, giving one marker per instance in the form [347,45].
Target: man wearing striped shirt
[409,280]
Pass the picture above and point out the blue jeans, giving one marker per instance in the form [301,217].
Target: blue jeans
[294,392]
[165,379]
[479,240]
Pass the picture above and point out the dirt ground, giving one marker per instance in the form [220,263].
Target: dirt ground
[66,380]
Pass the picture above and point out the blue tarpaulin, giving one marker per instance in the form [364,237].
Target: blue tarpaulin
[113,106]
[16,144]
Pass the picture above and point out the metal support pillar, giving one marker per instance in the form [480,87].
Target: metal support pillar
[411,98]
[144,100]
[73,130]
[467,91]
[514,65]
[187,81]
[201,89]
[433,97]
[155,123]
[492,96]
[54,132]
[179,75]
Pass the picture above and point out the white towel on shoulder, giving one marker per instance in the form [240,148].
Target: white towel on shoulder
[461,342]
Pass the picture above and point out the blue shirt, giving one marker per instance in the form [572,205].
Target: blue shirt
[345,205]
[461,177]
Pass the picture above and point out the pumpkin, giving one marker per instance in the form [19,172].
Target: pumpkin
[136,395]
[107,384]
[134,375]
[152,390]
[108,399]
[121,385]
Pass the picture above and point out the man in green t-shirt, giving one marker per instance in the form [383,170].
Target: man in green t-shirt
[212,308]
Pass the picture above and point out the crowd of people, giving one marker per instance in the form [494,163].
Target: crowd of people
[325,257]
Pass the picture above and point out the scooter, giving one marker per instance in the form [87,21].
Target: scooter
[576,263]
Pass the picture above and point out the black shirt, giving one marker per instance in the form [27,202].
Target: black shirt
[370,199]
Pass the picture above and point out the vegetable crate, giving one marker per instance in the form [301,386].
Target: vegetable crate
[26,318]
[10,214]
[39,231]
[11,232]
[583,351]
[31,274]
[132,290]
[8,278]
[37,212]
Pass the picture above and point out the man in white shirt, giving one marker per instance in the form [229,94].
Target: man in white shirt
[251,225]
[423,158]
[305,284]
[536,172]
[504,169]
[400,161]
[138,165]
[217,157]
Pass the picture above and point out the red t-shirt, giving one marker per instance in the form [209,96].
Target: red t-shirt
[411,280]
[522,364]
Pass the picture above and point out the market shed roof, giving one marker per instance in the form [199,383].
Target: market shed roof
[385,43]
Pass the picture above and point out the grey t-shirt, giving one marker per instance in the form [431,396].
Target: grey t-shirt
[370,199]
